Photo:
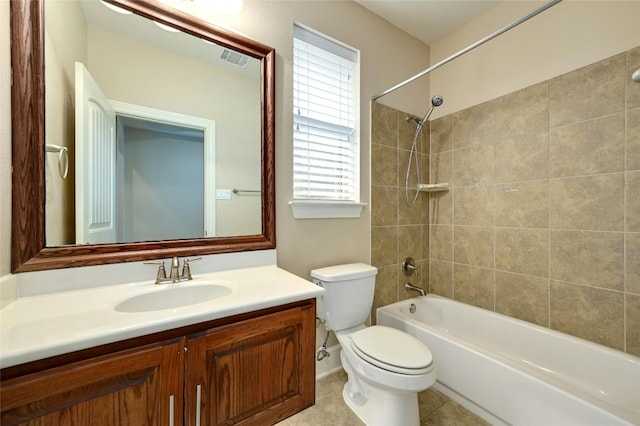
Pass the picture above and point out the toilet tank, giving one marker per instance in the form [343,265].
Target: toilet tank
[348,295]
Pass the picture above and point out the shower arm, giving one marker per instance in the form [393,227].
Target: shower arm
[469,48]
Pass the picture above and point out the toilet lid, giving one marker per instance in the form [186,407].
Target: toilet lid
[392,350]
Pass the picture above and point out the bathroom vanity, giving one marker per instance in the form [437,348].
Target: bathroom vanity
[245,357]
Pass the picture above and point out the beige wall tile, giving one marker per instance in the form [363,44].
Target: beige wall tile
[522,157]
[384,165]
[585,257]
[473,206]
[441,278]
[424,169]
[590,313]
[592,91]
[384,125]
[425,243]
[588,147]
[588,203]
[522,204]
[523,112]
[633,89]
[632,262]
[384,206]
[409,242]
[441,208]
[633,201]
[473,165]
[415,215]
[633,139]
[386,288]
[442,242]
[523,297]
[474,286]
[441,168]
[473,245]
[384,245]
[441,135]
[632,332]
[474,125]
[525,251]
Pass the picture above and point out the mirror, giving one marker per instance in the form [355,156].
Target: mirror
[32,183]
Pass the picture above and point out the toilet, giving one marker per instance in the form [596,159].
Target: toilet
[386,367]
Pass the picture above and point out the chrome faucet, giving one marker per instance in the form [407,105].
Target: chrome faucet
[175,275]
[409,287]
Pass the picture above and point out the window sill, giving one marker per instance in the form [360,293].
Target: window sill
[307,209]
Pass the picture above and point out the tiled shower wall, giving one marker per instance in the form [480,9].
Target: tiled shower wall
[397,231]
[543,219]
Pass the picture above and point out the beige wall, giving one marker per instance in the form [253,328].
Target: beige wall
[570,35]
[387,56]
[65,43]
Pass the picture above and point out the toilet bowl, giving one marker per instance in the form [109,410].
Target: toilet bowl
[386,367]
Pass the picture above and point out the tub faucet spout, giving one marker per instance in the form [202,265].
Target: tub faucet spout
[409,287]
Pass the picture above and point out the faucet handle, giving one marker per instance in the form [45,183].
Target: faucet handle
[186,268]
[162,273]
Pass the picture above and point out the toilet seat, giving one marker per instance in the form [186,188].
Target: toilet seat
[392,350]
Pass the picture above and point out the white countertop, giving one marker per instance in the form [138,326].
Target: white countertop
[41,326]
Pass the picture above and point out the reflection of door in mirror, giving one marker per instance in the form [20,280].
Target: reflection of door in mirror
[95,162]
[166,174]
[136,62]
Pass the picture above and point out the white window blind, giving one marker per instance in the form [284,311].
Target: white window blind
[324,125]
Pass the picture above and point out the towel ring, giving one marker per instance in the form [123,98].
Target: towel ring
[63,158]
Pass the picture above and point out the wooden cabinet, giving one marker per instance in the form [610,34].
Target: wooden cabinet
[255,371]
[134,387]
[255,368]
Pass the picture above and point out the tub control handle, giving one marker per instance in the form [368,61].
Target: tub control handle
[408,266]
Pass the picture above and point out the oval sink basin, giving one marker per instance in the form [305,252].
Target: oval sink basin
[172,297]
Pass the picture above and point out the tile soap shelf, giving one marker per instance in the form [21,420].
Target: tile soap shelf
[433,187]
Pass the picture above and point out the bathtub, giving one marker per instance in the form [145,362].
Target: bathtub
[513,372]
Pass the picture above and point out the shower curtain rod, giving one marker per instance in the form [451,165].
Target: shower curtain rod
[470,47]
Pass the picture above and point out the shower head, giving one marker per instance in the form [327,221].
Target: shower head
[436,101]
[636,76]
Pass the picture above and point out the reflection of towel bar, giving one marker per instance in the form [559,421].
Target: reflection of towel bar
[237,191]
[63,158]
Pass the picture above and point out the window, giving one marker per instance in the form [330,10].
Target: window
[325,121]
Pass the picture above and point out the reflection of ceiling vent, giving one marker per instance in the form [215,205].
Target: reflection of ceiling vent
[235,58]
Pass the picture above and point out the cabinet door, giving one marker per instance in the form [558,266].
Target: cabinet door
[257,371]
[135,387]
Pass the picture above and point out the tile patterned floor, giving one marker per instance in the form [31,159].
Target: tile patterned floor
[436,409]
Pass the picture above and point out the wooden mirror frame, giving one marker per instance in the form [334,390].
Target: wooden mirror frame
[28,245]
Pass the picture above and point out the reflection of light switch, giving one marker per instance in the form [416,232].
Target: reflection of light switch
[223,194]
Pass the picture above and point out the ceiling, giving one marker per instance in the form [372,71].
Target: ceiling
[428,20]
